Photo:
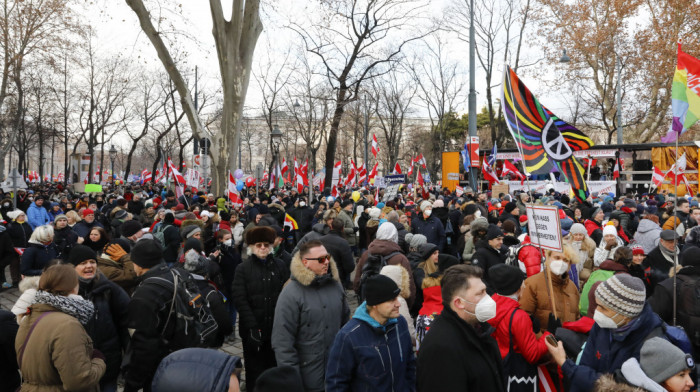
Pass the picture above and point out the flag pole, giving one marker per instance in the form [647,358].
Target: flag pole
[675,240]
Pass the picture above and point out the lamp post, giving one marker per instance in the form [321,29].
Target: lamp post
[472,89]
[112,157]
[276,136]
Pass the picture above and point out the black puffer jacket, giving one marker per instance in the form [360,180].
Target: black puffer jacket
[108,328]
[9,371]
[255,289]
[64,239]
[36,257]
[401,230]
[338,247]
[19,233]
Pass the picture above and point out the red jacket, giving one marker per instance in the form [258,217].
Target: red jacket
[530,257]
[592,226]
[432,301]
[525,341]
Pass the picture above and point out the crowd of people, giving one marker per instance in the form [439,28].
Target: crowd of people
[139,287]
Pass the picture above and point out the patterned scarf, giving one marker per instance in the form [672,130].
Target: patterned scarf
[73,305]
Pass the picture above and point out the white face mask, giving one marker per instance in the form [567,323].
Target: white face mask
[604,321]
[302,204]
[228,242]
[427,212]
[477,214]
[484,310]
[558,267]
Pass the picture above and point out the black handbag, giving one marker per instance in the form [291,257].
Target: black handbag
[521,376]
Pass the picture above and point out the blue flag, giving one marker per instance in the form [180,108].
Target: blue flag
[492,157]
[465,158]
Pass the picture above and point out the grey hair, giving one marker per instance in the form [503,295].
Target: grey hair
[42,234]
[392,216]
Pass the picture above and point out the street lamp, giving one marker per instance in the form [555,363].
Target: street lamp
[112,157]
[276,136]
[564,57]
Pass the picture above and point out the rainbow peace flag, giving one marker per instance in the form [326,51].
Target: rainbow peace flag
[685,97]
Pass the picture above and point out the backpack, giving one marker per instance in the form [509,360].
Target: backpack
[158,235]
[193,322]
[688,306]
[513,253]
[675,335]
[373,265]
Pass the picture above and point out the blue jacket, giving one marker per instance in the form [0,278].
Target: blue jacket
[37,216]
[195,369]
[431,228]
[606,350]
[36,257]
[82,228]
[366,356]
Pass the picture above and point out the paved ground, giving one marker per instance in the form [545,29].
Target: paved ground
[10,296]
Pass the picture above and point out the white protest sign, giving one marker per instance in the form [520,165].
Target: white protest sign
[544,227]
[602,186]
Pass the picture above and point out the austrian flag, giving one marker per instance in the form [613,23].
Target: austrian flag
[375,146]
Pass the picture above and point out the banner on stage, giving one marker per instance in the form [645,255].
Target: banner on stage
[609,153]
[544,227]
[395,179]
[562,187]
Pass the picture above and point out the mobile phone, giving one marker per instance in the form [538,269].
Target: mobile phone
[552,340]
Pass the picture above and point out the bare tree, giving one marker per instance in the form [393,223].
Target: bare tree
[355,41]
[440,84]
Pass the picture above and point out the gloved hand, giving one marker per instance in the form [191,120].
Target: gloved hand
[115,252]
[256,337]
[355,229]
[97,354]
[553,323]
[535,324]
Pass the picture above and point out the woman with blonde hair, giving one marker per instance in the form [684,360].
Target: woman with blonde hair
[73,218]
[552,286]
[40,251]
[54,352]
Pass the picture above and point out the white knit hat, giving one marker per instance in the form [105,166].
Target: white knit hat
[610,230]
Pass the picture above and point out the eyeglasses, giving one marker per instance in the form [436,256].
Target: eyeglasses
[260,245]
[321,259]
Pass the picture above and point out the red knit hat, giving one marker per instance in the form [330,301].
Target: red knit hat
[637,250]
[523,218]
[87,212]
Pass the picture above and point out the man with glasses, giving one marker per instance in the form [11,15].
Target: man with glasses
[311,310]
[256,286]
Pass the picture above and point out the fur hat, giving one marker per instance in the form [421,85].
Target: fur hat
[260,234]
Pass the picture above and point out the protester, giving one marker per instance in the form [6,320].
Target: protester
[53,350]
[377,323]
[579,240]
[659,261]
[197,369]
[429,226]
[310,310]
[40,251]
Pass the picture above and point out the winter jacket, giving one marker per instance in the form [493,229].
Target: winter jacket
[310,311]
[602,254]
[348,227]
[606,350]
[607,383]
[657,266]
[338,247]
[9,373]
[529,258]
[304,217]
[36,257]
[120,272]
[385,247]
[595,230]
[535,298]
[37,216]
[486,257]
[647,235]
[401,230]
[256,286]
[228,260]
[195,370]
[108,327]
[82,228]
[317,231]
[64,239]
[607,269]
[237,233]
[525,341]
[586,253]
[58,354]
[431,228]
[661,301]
[147,314]
[172,238]
[441,360]
[354,366]
[20,233]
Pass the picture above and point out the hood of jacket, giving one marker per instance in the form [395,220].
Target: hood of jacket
[607,383]
[647,225]
[504,308]
[383,247]
[29,282]
[192,222]
[610,265]
[362,314]
[320,228]
[275,205]
[304,275]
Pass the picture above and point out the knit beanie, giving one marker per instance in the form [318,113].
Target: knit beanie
[637,249]
[609,230]
[623,294]
[14,214]
[426,250]
[425,204]
[493,232]
[595,212]
[59,217]
[506,279]
[189,231]
[470,209]
[379,288]
[661,359]
[374,212]
[130,228]
[578,228]
[510,207]
[438,203]
[80,253]
[416,240]
[147,253]
[87,212]
[281,378]
[690,256]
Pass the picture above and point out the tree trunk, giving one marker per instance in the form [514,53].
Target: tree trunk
[333,136]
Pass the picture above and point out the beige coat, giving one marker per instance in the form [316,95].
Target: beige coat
[57,355]
[535,298]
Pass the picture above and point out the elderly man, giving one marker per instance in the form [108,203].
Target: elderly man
[461,331]
[256,287]
[660,260]
[376,323]
[310,311]
[82,228]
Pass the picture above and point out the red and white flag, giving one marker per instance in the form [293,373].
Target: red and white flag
[233,195]
[298,176]
[489,175]
[410,169]
[421,182]
[373,173]
[177,176]
[459,191]
[361,174]
[677,171]
[146,176]
[352,176]
[336,174]
[421,161]
[509,168]
[657,177]
[397,169]
[375,146]
[616,169]
[285,168]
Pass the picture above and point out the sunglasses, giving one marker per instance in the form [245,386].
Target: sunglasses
[262,245]
[321,259]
